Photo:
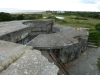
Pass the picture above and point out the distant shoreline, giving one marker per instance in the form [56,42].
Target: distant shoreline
[26,12]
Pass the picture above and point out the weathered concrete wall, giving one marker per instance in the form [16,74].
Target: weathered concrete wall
[40,26]
[67,43]
[16,36]
[10,52]
[13,31]
[23,31]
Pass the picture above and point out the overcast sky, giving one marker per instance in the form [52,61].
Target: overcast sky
[61,5]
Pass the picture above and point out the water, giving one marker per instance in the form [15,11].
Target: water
[59,17]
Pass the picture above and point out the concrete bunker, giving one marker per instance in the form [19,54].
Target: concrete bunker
[21,58]
[66,42]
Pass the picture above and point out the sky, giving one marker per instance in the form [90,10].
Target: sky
[59,5]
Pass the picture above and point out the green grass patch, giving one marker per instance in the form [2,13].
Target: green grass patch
[79,18]
[97,27]
[94,36]
[98,63]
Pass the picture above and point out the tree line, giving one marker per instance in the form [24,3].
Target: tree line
[10,17]
[95,15]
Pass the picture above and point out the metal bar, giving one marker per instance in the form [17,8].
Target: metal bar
[60,65]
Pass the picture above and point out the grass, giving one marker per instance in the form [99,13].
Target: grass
[94,36]
[80,23]
[77,21]
[98,63]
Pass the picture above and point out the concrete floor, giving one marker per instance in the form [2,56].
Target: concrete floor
[85,64]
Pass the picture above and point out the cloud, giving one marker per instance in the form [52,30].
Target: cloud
[98,5]
[66,5]
[89,1]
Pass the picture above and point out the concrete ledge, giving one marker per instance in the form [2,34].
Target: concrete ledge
[13,31]
[31,63]
[10,52]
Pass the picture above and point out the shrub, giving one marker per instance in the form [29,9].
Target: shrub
[20,17]
[94,36]
[5,16]
[32,16]
[97,27]
[52,17]
[98,63]
[79,18]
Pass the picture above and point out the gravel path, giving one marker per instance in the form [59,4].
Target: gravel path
[85,64]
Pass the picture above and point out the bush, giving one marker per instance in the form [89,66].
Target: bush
[52,17]
[5,16]
[79,18]
[60,21]
[32,16]
[94,36]
[98,63]
[20,17]
[97,27]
